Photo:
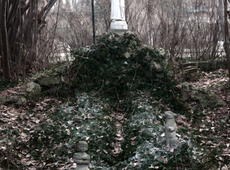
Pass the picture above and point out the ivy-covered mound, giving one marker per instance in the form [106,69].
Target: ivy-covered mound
[135,80]
[117,65]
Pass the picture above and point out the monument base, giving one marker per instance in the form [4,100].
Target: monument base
[118,26]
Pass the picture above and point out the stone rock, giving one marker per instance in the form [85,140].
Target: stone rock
[82,146]
[18,100]
[81,157]
[21,100]
[33,88]
[82,167]
[3,99]
[83,162]
[52,76]
[49,81]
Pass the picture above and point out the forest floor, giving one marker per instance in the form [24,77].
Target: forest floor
[212,132]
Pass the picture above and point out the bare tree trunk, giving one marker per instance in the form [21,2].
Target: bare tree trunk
[226,36]
[5,51]
[20,23]
[220,13]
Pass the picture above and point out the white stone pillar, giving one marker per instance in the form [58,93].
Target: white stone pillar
[118,22]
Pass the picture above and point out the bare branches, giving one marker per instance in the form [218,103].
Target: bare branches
[19,23]
[45,10]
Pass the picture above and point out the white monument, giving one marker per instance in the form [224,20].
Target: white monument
[118,22]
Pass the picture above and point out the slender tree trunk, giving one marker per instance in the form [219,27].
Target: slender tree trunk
[20,25]
[5,43]
[93,21]
[220,13]
[226,36]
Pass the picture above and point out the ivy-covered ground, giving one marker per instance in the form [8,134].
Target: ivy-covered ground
[113,96]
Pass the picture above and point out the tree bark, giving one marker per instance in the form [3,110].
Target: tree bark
[20,25]
[226,36]
[5,43]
